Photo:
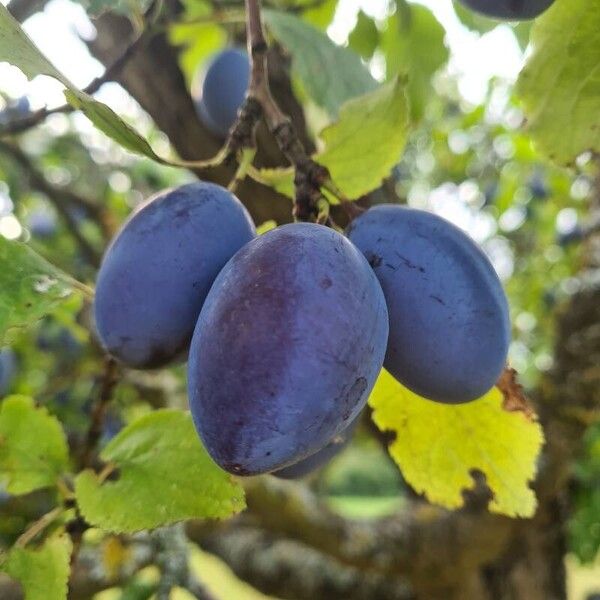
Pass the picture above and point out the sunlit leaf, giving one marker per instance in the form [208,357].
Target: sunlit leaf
[33,446]
[162,475]
[363,146]
[438,446]
[560,84]
[42,572]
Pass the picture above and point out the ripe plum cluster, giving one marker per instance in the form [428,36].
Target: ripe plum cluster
[286,333]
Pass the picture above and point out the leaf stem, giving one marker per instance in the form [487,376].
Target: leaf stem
[38,527]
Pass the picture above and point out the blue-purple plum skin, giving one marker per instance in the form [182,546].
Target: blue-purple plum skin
[509,10]
[287,348]
[159,268]
[42,224]
[319,459]
[221,90]
[449,316]
[8,370]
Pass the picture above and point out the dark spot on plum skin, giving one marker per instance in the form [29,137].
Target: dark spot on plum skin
[409,264]
[326,283]
[353,396]
[374,260]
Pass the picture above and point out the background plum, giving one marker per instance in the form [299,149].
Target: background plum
[449,321]
[288,346]
[42,223]
[18,109]
[157,271]
[321,458]
[8,368]
[511,10]
[220,91]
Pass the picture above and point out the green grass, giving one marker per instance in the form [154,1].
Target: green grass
[365,507]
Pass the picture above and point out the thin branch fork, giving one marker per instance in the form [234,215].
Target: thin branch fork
[310,176]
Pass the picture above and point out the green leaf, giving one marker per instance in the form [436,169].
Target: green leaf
[107,121]
[164,475]
[364,38]
[414,45]
[437,446]
[363,146]
[320,15]
[43,573]
[560,84]
[266,227]
[33,447]
[30,287]
[329,73]
[200,41]
[17,48]
[281,180]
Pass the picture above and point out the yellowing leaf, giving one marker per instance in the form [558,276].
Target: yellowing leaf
[437,446]
[163,475]
[43,573]
[281,180]
[560,85]
[363,146]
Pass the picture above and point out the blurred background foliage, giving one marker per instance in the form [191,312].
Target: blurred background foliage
[68,187]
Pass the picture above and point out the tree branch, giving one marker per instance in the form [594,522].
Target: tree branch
[310,176]
[289,570]
[33,119]
[106,388]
